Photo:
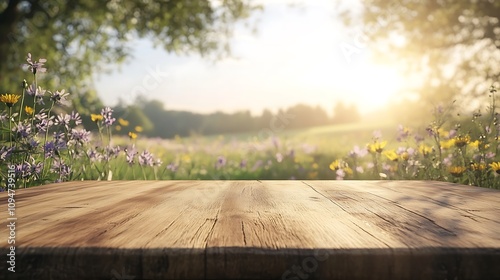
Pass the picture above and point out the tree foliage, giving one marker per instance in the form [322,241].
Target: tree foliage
[81,37]
[455,43]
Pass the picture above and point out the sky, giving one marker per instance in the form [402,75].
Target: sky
[300,54]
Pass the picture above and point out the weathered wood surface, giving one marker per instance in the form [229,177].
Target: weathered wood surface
[255,230]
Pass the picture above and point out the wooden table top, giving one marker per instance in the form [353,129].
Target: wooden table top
[254,230]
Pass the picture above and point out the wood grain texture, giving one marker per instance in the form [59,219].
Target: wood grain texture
[254,230]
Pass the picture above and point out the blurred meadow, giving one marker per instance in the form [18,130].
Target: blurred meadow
[237,90]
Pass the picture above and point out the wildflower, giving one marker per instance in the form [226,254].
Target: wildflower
[28,110]
[122,122]
[340,174]
[63,120]
[489,155]
[425,150]
[5,152]
[94,155]
[221,162]
[475,166]
[111,152]
[172,167]
[146,158]
[22,130]
[138,128]
[243,163]
[76,118]
[391,155]
[448,160]
[457,171]
[447,144]
[3,117]
[474,144]
[132,135]
[279,157]
[495,166]
[9,99]
[461,141]
[130,155]
[36,66]
[79,137]
[118,128]
[107,115]
[37,93]
[59,97]
[43,122]
[403,133]
[360,169]
[377,147]
[357,152]
[59,167]
[96,117]
[418,138]
[336,165]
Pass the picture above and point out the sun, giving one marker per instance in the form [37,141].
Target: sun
[372,87]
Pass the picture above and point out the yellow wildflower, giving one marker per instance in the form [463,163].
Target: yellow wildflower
[391,155]
[425,150]
[405,156]
[118,128]
[477,166]
[29,110]
[132,135]
[448,143]
[474,144]
[123,122]
[315,166]
[138,128]
[9,99]
[336,165]
[461,141]
[96,117]
[377,147]
[457,171]
[495,166]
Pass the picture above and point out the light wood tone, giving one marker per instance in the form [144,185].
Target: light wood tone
[255,229]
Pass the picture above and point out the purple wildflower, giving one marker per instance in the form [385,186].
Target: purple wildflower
[94,155]
[418,138]
[79,137]
[403,133]
[221,162]
[76,118]
[146,158]
[489,155]
[111,152]
[3,117]
[59,97]
[358,152]
[243,163]
[22,130]
[377,134]
[63,120]
[340,174]
[37,93]
[172,167]
[107,115]
[5,152]
[130,155]
[59,167]
[35,66]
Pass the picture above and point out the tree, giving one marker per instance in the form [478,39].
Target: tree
[81,37]
[456,43]
[345,114]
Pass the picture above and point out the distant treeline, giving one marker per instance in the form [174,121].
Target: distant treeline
[155,121]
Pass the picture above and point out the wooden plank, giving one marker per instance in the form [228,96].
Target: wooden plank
[256,229]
